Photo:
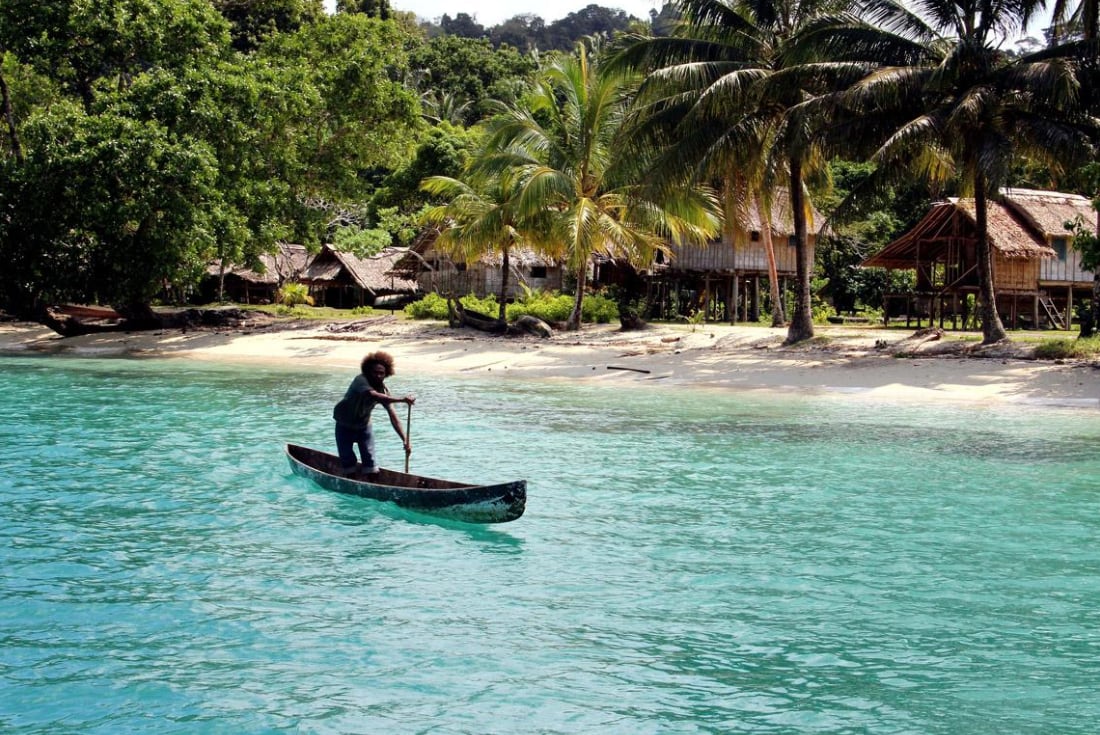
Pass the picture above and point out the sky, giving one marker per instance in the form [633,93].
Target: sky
[494,12]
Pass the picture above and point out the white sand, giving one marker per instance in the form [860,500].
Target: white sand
[846,361]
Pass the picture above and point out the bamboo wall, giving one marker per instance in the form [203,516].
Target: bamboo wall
[1015,274]
[720,257]
[483,281]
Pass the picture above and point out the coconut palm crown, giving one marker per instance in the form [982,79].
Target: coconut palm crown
[562,145]
[727,93]
[964,110]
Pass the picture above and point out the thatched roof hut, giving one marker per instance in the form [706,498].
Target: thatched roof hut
[1034,268]
[952,222]
[342,279]
[258,285]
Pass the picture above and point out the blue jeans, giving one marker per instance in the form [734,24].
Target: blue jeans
[346,440]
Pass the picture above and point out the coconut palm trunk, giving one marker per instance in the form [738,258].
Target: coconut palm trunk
[574,322]
[778,316]
[802,321]
[1095,322]
[992,328]
[505,266]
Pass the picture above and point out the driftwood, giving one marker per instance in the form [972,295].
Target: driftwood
[483,322]
[528,324]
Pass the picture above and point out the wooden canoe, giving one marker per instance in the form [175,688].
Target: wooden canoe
[443,498]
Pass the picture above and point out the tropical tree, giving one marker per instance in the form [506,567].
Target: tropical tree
[965,109]
[1082,20]
[563,145]
[731,85]
[480,218]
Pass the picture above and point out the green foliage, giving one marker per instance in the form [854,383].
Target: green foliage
[93,47]
[254,22]
[360,242]
[294,294]
[444,151]
[434,306]
[366,123]
[470,70]
[550,307]
[554,307]
[821,313]
[104,208]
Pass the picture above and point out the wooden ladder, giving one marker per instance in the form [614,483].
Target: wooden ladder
[1053,314]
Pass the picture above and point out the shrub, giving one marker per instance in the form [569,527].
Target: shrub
[549,306]
[434,306]
[553,306]
[294,294]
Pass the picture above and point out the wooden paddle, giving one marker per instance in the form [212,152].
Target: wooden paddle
[408,436]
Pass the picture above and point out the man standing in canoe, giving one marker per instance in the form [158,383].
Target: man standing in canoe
[352,413]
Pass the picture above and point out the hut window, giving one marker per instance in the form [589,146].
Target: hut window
[754,236]
[460,267]
[538,271]
[792,241]
[1059,245]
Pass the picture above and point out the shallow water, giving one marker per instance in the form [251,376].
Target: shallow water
[690,562]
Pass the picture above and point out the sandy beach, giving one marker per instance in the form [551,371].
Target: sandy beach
[894,365]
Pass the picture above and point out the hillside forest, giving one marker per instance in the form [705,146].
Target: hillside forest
[144,139]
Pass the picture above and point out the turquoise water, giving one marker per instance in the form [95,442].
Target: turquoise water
[690,562]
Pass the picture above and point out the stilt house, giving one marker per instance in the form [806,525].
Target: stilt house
[1037,275]
[728,279]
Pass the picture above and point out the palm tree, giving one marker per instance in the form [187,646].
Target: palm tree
[561,146]
[1083,20]
[733,82]
[479,218]
[965,109]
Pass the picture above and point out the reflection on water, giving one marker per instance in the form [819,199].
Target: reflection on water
[690,561]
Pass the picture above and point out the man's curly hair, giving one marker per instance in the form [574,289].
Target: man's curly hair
[384,359]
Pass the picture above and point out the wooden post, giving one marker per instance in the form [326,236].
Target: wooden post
[1069,307]
[755,314]
[736,300]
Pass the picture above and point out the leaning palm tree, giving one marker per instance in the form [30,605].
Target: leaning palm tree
[733,81]
[479,218]
[964,109]
[561,145]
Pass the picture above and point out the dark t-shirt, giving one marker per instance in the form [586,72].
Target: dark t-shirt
[353,410]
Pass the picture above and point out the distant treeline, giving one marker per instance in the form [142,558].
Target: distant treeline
[529,32]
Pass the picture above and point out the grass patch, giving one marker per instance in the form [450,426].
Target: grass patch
[1068,349]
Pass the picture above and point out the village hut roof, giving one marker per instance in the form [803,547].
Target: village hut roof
[1049,211]
[781,218]
[411,261]
[1008,232]
[373,274]
[286,264]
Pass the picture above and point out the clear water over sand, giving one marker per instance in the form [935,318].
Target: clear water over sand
[690,561]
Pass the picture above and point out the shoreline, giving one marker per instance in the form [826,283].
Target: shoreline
[879,364]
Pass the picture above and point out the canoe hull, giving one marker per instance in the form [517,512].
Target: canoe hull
[497,503]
